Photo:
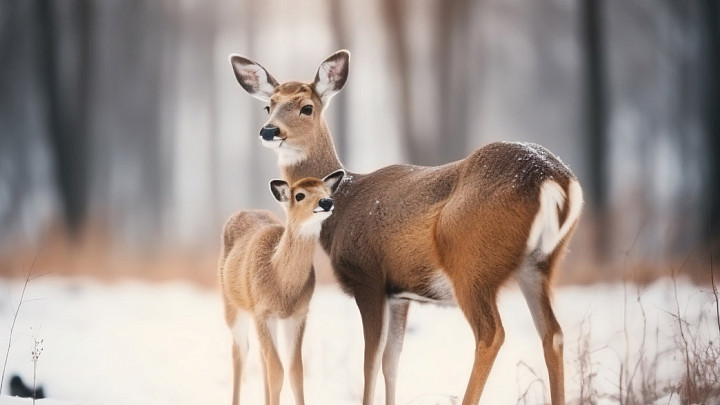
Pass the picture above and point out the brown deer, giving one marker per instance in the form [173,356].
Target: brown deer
[452,234]
[266,274]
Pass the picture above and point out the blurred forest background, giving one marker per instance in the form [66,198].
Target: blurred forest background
[125,141]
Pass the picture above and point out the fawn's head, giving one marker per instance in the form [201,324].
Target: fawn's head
[307,202]
[295,109]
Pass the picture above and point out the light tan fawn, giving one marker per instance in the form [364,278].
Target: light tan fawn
[266,274]
[452,234]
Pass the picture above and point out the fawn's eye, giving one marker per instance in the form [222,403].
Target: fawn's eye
[307,110]
[267,109]
[299,197]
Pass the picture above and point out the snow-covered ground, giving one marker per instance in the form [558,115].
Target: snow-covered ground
[141,343]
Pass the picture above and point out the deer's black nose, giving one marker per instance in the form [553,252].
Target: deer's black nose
[269,132]
[326,204]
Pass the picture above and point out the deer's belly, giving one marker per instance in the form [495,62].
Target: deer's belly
[437,290]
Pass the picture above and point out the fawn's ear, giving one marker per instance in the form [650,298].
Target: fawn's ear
[333,179]
[331,75]
[253,77]
[280,190]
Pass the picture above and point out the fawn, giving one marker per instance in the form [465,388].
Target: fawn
[266,274]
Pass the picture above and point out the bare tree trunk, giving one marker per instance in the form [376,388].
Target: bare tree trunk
[342,41]
[66,131]
[710,12]
[596,119]
[394,15]
[256,159]
[15,181]
[453,22]
[687,105]
[86,65]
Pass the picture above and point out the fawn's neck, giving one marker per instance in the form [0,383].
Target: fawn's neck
[293,259]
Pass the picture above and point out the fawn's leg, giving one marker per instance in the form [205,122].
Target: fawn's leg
[294,331]
[267,332]
[239,330]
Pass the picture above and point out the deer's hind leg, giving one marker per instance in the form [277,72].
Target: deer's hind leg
[239,322]
[534,281]
[479,306]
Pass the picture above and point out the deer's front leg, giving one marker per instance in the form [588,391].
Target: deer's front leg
[294,331]
[374,313]
[398,311]
[267,332]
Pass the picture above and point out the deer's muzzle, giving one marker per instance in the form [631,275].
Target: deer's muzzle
[269,132]
[325,205]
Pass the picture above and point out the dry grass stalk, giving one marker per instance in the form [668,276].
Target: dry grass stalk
[588,392]
[523,396]
[12,325]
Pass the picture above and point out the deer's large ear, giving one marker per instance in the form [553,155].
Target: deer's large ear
[280,190]
[331,75]
[334,179]
[253,77]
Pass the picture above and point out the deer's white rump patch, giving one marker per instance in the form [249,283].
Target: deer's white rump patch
[546,232]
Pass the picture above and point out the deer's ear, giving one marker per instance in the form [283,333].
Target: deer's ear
[332,75]
[253,77]
[280,190]
[333,179]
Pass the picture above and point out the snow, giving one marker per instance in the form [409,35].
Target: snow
[143,343]
[5,400]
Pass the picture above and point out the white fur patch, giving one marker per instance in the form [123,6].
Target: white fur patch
[530,281]
[287,155]
[272,328]
[412,297]
[370,385]
[328,75]
[557,342]
[312,226]
[271,144]
[291,327]
[546,233]
[440,286]
[393,346]
[239,331]
[576,203]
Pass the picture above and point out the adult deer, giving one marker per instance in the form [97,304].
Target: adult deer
[452,234]
[266,274]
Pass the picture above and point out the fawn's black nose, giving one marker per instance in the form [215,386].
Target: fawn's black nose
[326,204]
[269,132]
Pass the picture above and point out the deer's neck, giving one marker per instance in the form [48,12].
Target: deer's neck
[293,259]
[321,159]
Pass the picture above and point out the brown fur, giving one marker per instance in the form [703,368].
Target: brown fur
[266,270]
[398,228]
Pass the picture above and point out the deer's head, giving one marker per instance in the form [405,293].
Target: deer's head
[307,202]
[295,108]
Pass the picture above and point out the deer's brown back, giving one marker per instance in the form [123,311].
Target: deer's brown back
[401,224]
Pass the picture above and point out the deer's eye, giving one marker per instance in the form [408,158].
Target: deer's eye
[299,197]
[267,109]
[307,110]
